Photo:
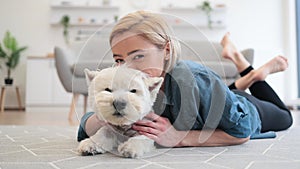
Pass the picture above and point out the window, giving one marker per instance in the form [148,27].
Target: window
[298,42]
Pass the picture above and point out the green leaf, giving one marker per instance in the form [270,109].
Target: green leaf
[6,40]
[20,50]
[10,42]
[65,20]
[2,53]
[15,58]
[14,44]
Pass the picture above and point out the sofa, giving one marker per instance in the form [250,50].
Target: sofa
[209,54]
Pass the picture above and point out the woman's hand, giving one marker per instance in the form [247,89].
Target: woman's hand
[159,129]
[163,133]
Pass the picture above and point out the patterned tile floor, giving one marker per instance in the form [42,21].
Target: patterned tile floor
[53,147]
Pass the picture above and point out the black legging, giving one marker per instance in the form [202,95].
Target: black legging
[274,115]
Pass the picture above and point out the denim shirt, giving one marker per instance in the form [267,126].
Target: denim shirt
[196,98]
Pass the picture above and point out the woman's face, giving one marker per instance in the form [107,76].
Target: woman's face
[138,53]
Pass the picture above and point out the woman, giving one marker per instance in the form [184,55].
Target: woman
[198,108]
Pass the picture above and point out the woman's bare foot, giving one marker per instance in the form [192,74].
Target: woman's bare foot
[277,64]
[232,53]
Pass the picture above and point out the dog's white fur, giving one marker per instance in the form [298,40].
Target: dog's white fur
[120,96]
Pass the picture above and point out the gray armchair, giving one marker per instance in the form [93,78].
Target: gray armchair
[71,83]
[71,75]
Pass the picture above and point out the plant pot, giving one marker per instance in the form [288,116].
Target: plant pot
[8,81]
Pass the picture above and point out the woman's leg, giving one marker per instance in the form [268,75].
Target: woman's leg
[254,80]
[248,74]
[273,112]
[277,64]
[273,118]
[251,78]
[232,53]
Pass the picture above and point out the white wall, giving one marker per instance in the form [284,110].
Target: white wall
[267,26]
[28,21]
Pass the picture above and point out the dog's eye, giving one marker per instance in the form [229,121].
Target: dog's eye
[133,91]
[108,89]
[119,61]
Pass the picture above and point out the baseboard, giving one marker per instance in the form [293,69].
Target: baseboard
[14,109]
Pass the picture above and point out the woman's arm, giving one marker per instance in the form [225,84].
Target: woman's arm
[209,138]
[163,133]
[93,124]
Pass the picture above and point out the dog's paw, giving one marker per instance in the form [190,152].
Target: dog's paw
[135,148]
[88,147]
[130,150]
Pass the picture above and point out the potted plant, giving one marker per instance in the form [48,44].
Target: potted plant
[65,22]
[207,9]
[10,53]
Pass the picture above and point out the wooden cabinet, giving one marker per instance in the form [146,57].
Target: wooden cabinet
[43,87]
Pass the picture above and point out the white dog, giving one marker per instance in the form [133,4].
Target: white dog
[120,96]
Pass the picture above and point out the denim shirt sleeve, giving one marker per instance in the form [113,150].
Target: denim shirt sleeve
[201,101]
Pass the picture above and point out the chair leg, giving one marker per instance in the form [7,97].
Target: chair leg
[73,106]
[2,99]
[85,104]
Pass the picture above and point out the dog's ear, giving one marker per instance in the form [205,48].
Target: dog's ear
[89,75]
[154,84]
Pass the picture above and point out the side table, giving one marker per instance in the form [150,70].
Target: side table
[3,94]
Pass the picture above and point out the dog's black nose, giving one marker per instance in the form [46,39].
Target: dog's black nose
[119,105]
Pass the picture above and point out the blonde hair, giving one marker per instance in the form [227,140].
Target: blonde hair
[153,28]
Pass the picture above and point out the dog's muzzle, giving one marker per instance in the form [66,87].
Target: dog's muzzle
[119,106]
